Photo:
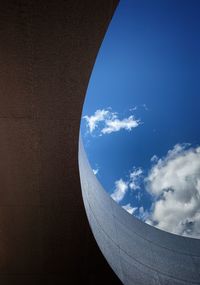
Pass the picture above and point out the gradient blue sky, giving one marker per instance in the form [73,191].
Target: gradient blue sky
[148,67]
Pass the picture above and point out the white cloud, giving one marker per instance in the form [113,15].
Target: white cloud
[135,175]
[138,196]
[120,191]
[95,171]
[115,125]
[129,208]
[145,107]
[174,182]
[99,116]
[110,122]
[122,187]
[142,213]
[133,109]
[154,158]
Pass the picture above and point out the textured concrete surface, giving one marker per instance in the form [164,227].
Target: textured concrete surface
[138,253]
[47,51]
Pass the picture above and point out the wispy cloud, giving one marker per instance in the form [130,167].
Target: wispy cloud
[131,183]
[154,158]
[108,122]
[120,191]
[95,171]
[129,208]
[115,125]
[142,213]
[99,116]
[174,182]
[145,107]
[135,177]
[133,109]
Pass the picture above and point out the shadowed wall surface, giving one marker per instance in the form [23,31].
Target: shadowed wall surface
[47,51]
[138,253]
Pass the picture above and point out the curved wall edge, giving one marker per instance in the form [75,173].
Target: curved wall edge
[138,253]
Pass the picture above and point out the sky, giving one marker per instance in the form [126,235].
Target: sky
[140,120]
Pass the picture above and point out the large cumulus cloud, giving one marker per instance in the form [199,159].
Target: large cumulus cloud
[174,182]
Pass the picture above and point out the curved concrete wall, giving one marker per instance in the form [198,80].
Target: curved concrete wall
[138,253]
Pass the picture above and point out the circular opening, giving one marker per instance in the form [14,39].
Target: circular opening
[140,123]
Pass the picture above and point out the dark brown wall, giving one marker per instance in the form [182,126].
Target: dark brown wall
[47,51]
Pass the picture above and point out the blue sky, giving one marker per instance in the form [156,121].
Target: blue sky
[140,121]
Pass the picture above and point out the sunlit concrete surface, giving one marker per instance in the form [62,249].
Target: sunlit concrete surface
[47,52]
[138,253]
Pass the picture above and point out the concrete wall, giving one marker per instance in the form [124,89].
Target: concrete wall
[138,253]
[47,52]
